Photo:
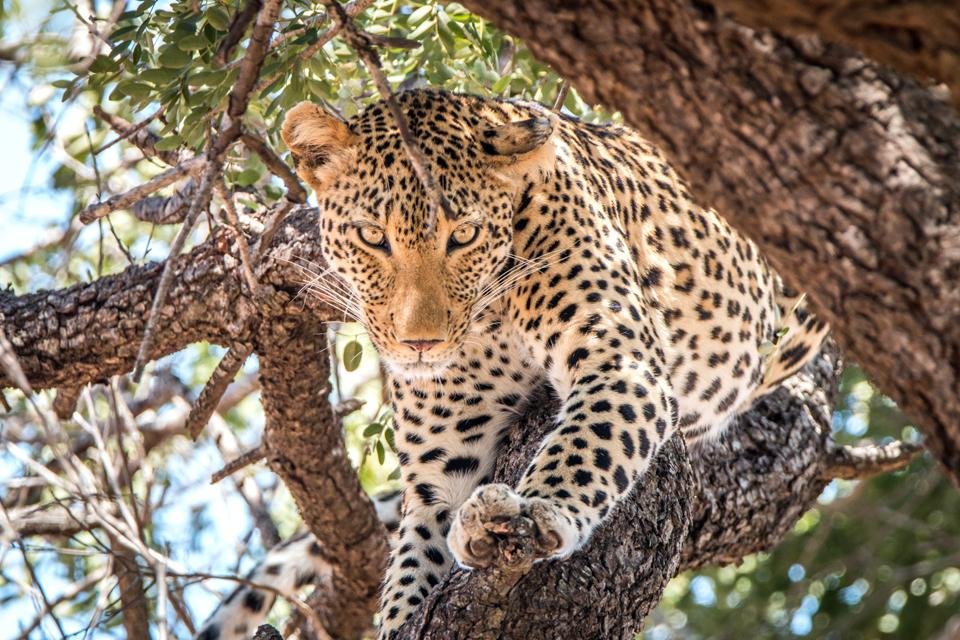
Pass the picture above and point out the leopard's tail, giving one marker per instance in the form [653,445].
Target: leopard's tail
[284,570]
[796,341]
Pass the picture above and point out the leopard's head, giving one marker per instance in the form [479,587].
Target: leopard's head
[417,287]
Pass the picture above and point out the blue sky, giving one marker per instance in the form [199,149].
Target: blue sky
[27,206]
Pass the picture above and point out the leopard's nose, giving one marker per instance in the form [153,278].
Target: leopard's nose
[421,345]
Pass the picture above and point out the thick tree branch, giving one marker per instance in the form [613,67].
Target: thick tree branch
[918,37]
[305,448]
[847,175]
[90,332]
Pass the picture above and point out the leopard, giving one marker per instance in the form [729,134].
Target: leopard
[538,249]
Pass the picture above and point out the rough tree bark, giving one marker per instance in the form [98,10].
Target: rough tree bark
[916,36]
[295,374]
[845,173]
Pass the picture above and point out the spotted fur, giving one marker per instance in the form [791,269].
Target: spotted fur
[574,254]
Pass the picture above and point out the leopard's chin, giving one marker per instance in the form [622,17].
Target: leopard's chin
[418,370]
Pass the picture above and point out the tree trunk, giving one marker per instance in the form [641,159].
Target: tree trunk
[846,174]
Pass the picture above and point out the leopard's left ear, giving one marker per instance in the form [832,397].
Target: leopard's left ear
[506,141]
[322,144]
[515,148]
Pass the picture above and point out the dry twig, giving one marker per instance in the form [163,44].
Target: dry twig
[198,205]
[561,95]
[866,460]
[141,138]
[125,200]
[295,191]
[213,391]
[353,9]
[252,456]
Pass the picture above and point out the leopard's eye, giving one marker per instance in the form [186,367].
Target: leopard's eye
[462,236]
[373,236]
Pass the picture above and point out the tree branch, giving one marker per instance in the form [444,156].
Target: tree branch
[127,199]
[89,332]
[305,448]
[216,386]
[295,191]
[917,37]
[865,460]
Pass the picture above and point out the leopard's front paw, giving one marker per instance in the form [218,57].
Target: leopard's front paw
[495,523]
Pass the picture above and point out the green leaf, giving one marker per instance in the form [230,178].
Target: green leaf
[218,18]
[192,43]
[158,76]
[168,143]
[422,30]
[173,57]
[135,89]
[394,475]
[381,452]
[418,16]
[248,177]
[390,438]
[352,354]
[501,84]
[102,63]
[372,429]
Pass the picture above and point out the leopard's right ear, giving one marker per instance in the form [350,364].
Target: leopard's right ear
[322,144]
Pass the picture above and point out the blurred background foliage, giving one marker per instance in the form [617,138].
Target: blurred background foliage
[874,559]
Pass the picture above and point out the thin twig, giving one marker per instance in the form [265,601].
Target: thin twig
[213,391]
[71,592]
[353,9]
[862,461]
[5,519]
[128,198]
[166,278]
[561,95]
[252,456]
[233,221]
[140,137]
[295,191]
[235,34]
[363,43]
[258,453]
[250,67]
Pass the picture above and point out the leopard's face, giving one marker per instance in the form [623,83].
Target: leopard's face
[416,276]
[417,291]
